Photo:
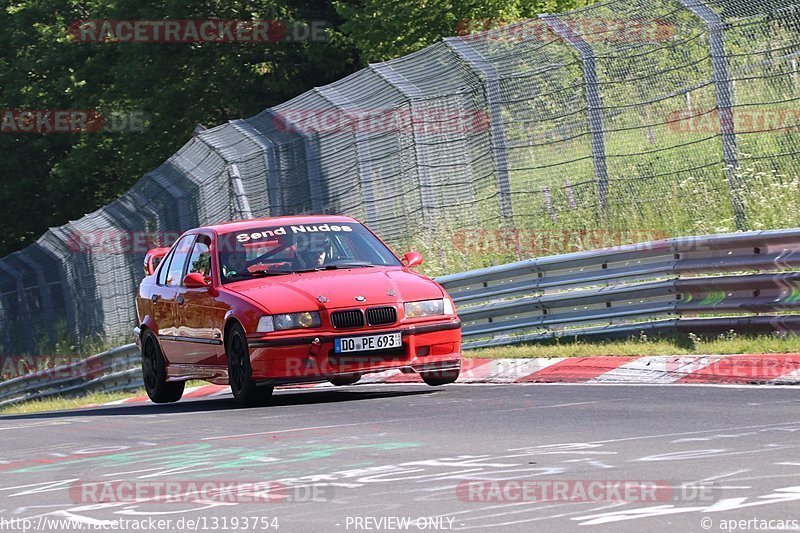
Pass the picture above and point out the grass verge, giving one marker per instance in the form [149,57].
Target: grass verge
[728,344]
[59,403]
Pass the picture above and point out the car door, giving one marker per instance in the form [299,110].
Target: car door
[168,282]
[199,322]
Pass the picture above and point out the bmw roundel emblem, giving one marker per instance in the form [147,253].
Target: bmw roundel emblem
[360,299]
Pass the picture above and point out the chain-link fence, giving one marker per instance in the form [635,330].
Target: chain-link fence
[670,114]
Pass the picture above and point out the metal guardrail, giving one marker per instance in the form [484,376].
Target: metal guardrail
[741,281]
[118,369]
[710,284]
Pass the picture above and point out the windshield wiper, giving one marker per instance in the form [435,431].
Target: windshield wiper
[338,267]
[263,272]
[345,265]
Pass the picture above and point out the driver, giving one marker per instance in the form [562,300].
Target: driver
[235,264]
[318,254]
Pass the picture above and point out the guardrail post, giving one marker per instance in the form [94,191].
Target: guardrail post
[266,144]
[725,96]
[594,101]
[488,74]
[364,159]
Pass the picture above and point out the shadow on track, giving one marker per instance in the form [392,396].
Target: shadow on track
[282,398]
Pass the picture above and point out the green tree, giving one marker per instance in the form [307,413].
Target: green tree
[48,180]
[384,29]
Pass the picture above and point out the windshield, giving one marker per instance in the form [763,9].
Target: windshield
[277,250]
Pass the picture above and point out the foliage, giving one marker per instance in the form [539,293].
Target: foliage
[61,177]
[383,29]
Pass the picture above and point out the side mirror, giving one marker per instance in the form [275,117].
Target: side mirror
[412,259]
[195,280]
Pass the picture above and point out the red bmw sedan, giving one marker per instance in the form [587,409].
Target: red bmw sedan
[274,301]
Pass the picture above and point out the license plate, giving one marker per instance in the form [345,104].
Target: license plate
[367,343]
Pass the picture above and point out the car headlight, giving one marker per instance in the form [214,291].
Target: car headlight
[424,308]
[309,319]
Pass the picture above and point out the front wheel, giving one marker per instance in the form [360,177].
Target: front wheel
[240,373]
[435,379]
[154,373]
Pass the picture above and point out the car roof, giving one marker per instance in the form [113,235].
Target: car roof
[257,223]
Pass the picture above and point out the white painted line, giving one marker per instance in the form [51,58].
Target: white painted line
[244,435]
[38,424]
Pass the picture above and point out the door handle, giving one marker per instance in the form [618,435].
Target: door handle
[155,298]
[180,300]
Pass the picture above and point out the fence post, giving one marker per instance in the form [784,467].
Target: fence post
[412,92]
[239,195]
[5,318]
[266,144]
[594,102]
[313,170]
[725,94]
[44,292]
[364,159]
[488,74]
[63,250]
[23,309]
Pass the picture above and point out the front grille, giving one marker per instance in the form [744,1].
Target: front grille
[379,316]
[347,319]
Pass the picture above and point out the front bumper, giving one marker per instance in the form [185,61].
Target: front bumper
[427,347]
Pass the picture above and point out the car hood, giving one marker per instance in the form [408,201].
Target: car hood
[334,289]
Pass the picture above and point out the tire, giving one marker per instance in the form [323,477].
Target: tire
[344,379]
[435,379]
[154,373]
[240,374]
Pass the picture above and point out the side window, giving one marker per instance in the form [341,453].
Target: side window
[162,274]
[179,256]
[200,260]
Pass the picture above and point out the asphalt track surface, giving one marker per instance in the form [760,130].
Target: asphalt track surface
[397,457]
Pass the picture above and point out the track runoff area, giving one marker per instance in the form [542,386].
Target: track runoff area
[478,455]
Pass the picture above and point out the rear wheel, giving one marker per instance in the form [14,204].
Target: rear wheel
[240,373]
[344,379]
[154,373]
[434,379]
